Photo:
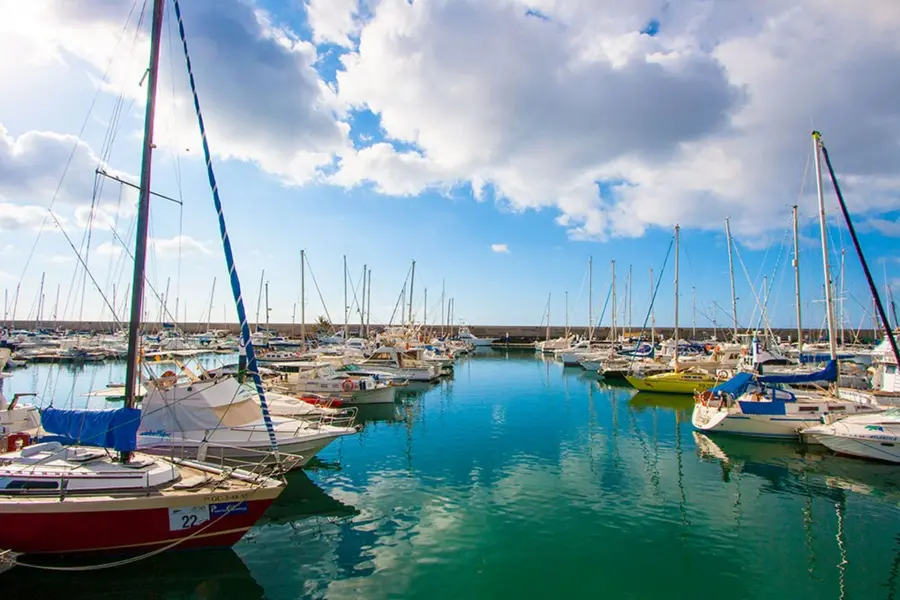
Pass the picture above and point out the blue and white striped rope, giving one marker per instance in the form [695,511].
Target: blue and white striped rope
[226,245]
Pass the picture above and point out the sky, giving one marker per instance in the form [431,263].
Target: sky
[501,144]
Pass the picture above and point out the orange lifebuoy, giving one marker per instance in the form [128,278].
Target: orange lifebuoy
[167,375]
[705,397]
[348,385]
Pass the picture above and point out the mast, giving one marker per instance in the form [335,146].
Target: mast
[40,307]
[549,296]
[143,214]
[829,301]
[362,302]
[443,290]
[677,229]
[715,322]
[797,281]
[267,307]
[212,294]
[262,276]
[425,310]
[590,301]
[731,276]
[841,299]
[412,283]
[879,308]
[369,303]
[346,307]
[652,311]
[613,312]
[56,308]
[303,297]
[164,309]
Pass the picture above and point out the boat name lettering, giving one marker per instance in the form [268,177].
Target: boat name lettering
[228,508]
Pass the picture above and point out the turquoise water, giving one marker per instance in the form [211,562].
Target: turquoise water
[518,478]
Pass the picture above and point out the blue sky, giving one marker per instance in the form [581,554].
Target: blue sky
[331,135]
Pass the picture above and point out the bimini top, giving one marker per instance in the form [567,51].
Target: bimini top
[739,384]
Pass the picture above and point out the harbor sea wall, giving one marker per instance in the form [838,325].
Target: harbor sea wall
[514,333]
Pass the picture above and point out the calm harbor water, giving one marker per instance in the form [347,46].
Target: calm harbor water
[518,478]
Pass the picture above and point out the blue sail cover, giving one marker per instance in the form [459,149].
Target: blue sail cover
[741,382]
[735,386]
[114,428]
[829,373]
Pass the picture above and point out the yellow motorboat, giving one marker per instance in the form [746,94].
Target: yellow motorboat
[674,382]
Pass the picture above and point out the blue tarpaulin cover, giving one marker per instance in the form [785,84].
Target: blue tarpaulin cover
[114,428]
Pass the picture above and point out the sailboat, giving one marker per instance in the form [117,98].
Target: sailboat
[759,405]
[78,499]
[677,381]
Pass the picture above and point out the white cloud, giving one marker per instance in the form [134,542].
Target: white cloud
[710,118]
[333,21]
[15,217]
[169,247]
[500,248]
[32,166]
[262,99]
[885,226]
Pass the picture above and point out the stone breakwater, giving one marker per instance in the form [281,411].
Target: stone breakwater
[514,333]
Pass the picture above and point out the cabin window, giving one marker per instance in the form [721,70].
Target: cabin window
[891,369]
[809,408]
[889,444]
[24,484]
[837,408]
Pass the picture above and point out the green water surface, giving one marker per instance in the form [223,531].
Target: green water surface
[521,479]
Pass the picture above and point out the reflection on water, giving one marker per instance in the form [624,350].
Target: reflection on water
[204,574]
[519,478]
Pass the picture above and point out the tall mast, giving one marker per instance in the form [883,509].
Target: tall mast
[590,300]
[412,283]
[614,334]
[369,303]
[652,310]
[841,299]
[143,213]
[212,294]
[303,297]
[879,307]
[56,307]
[829,301]
[346,306]
[425,310]
[549,296]
[443,291]
[262,276]
[677,229]
[38,317]
[715,321]
[267,306]
[362,302]
[797,281]
[731,276]
[165,305]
